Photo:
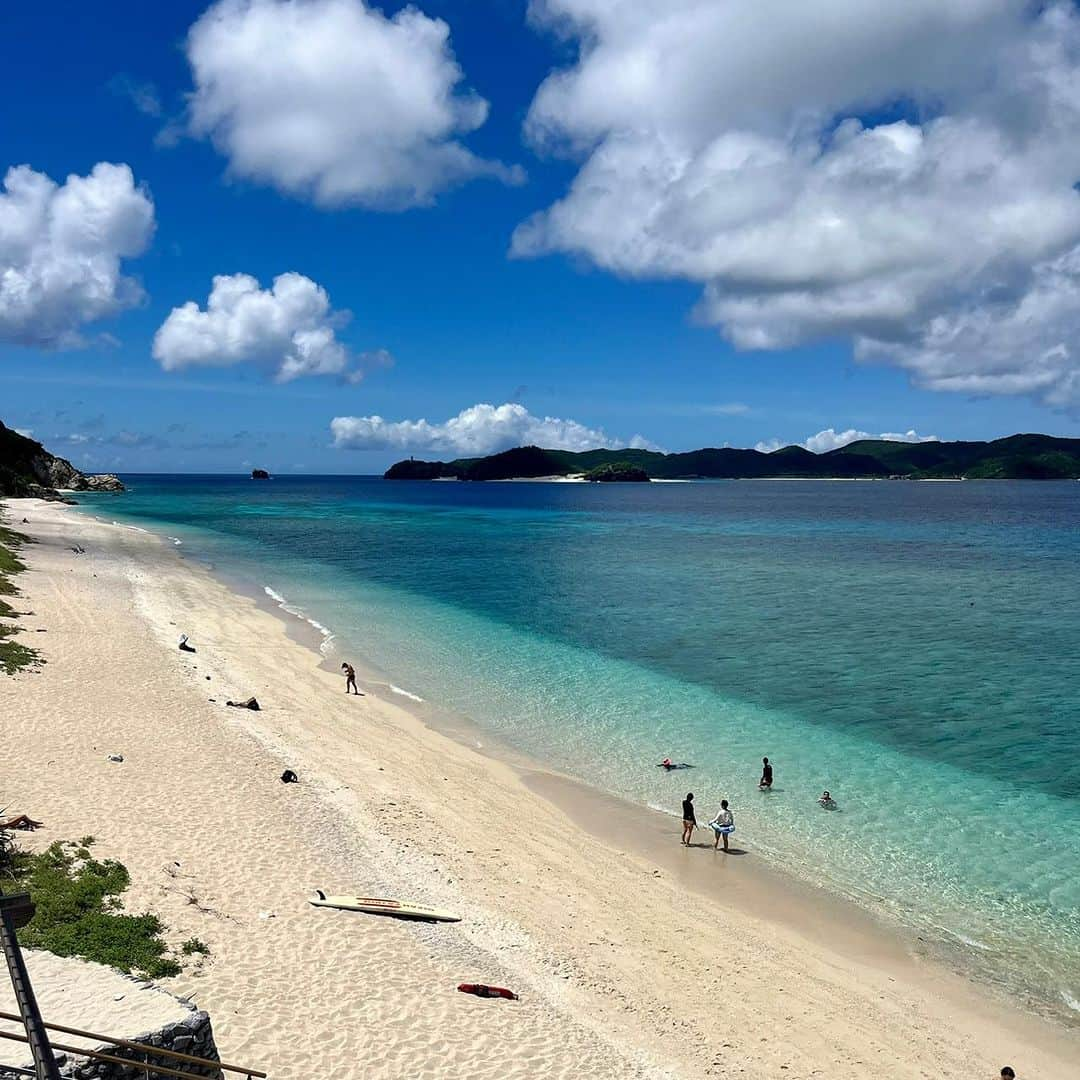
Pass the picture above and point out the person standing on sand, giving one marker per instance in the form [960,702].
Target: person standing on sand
[689,821]
[350,679]
[723,824]
[765,783]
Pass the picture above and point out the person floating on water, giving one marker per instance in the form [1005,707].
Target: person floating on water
[826,801]
[765,783]
[350,679]
[723,824]
[666,764]
[689,821]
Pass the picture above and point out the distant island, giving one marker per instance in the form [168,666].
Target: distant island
[27,468]
[1018,457]
[259,474]
[617,472]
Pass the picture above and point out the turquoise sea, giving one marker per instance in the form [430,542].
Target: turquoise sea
[913,647]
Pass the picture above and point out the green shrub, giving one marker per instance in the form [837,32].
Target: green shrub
[77,899]
[13,655]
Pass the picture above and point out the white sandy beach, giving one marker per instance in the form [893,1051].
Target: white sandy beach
[633,957]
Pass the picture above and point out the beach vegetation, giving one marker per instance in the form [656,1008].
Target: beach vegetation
[13,654]
[79,911]
[194,946]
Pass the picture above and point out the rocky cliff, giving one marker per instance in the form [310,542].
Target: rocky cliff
[27,468]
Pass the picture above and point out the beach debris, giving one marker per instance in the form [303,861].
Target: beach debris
[115,757]
[184,646]
[485,991]
[251,703]
[289,777]
[267,914]
[79,550]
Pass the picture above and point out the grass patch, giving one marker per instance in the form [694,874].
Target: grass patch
[78,911]
[13,655]
[194,946]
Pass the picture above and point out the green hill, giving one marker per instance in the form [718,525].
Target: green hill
[1018,457]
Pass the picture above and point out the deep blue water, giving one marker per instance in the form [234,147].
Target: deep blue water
[912,647]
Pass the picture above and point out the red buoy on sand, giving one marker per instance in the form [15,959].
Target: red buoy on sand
[482,990]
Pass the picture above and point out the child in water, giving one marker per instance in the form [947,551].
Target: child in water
[723,825]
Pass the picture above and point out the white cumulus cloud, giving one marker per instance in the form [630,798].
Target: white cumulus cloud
[289,328]
[899,175]
[831,439]
[334,101]
[61,248]
[476,431]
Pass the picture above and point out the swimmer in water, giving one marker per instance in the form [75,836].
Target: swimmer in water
[765,783]
[827,802]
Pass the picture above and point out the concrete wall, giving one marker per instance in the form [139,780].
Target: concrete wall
[192,1035]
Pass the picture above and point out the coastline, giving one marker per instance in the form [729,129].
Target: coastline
[607,922]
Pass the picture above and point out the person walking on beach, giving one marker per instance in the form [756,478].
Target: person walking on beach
[689,821]
[723,824]
[765,783]
[350,679]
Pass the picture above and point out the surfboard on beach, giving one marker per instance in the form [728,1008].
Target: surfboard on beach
[372,905]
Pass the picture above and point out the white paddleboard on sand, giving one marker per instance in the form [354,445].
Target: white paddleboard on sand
[371,905]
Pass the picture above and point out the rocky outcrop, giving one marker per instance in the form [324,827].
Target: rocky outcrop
[259,474]
[27,468]
[100,482]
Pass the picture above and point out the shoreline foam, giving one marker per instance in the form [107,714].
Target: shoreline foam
[881,1014]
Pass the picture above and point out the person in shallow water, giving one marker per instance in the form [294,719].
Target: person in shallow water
[827,802]
[766,775]
[689,821]
[350,679]
[723,825]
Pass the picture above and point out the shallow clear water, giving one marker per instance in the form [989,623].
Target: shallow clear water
[912,647]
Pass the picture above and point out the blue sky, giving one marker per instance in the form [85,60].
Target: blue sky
[618,340]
